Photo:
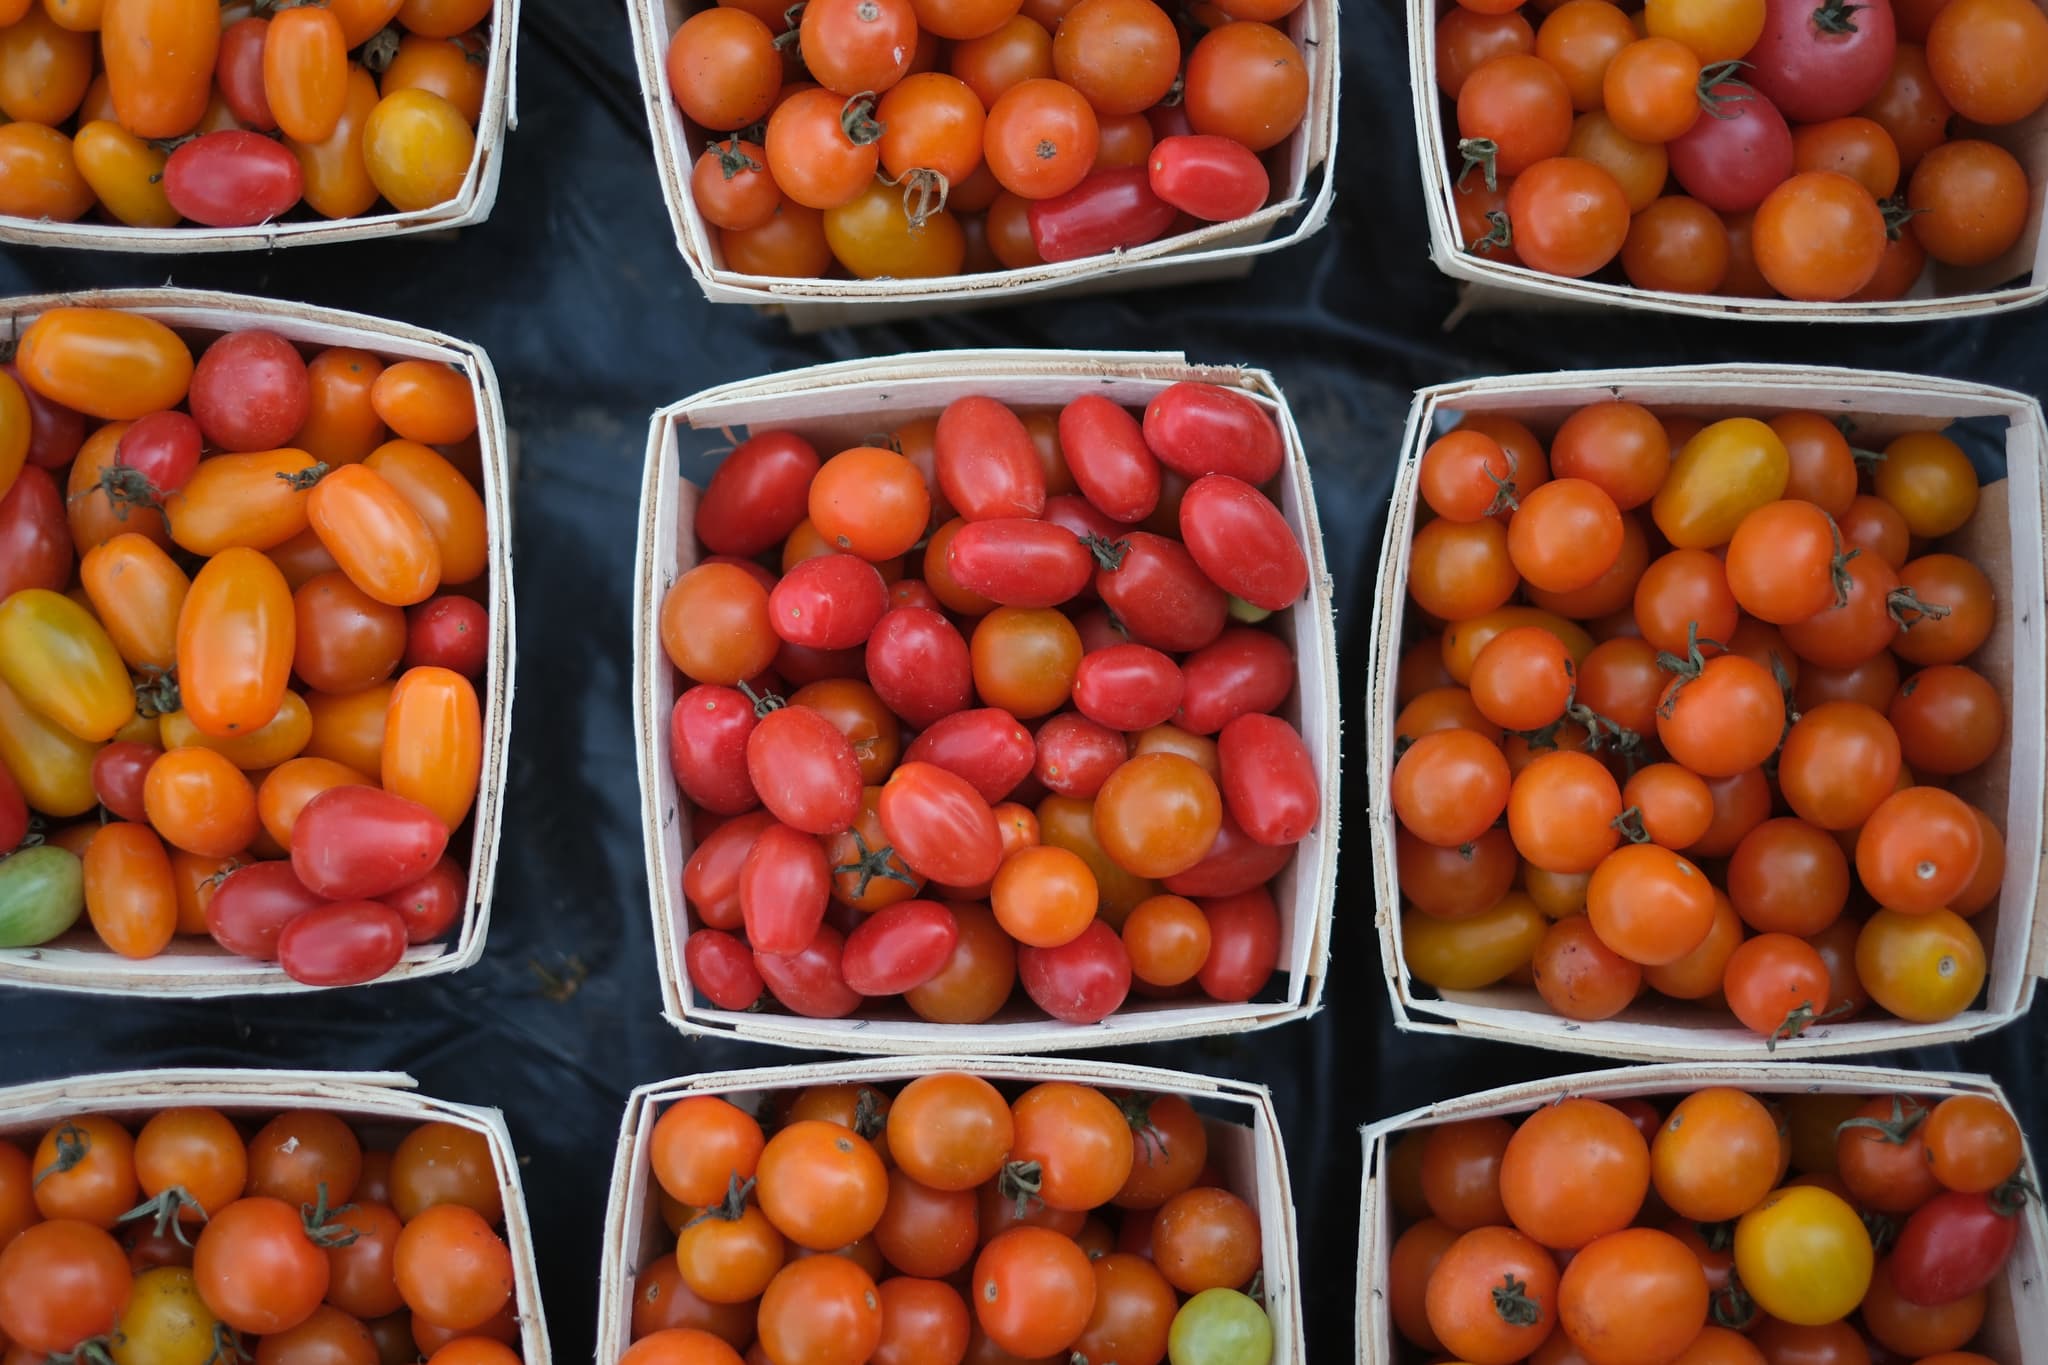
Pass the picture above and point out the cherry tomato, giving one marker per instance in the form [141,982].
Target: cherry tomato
[58,659]
[1025,121]
[1924,968]
[362,842]
[418,149]
[235,644]
[232,178]
[1161,595]
[1081,981]
[1984,56]
[1246,81]
[62,1282]
[335,176]
[1971,196]
[343,944]
[1111,210]
[35,538]
[810,982]
[1777,985]
[919,665]
[1513,112]
[1570,217]
[256,1268]
[1637,1294]
[129,894]
[822,147]
[1462,1304]
[1804,1256]
[852,47]
[987,747]
[1110,457]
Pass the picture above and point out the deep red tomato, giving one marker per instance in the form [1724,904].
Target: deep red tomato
[940,825]
[343,944]
[1082,981]
[1955,1244]
[1244,944]
[1208,177]
[987,466]
[711,877]
[1729,160]
[987,747]
[163,449]
[239,73]
[811,982]
[721,967]
[1200,429]
[359,842]
[1019,562]
[759,494]
[250,390]
[784,886]
[1110,458]
[430,905]
[918,662]
[1114,209]
[828,602]
[804,770]
[254,904]
[1242,543]
[1159,592]
[899,947]
[1127,687]
[1076,755]
[1269,779]
[448,632]
[707,748]
[118,773]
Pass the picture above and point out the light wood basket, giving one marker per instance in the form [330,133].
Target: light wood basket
[2015,1324]
[197,967]
[471,204]
[835,406]
[1489,285]
[2004,539]
[1244,1144]
[1217,251]
[386,1104]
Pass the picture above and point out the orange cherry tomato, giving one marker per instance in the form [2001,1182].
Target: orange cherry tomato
[200,802]
[426,401]
[45,69]
[336,175]
[305,71]
[349,727]
[282,737]
[235,641]
[129,892]
[381,543]
[137,591]
[1818,236]
[255,501]
[442,18]
[160,60]
[447,502]
[433,742]
[104,362]
[39,175]
[361,19]
[455,68]
[290,785]
[342,426]
[1040,138]
[195,879]
[417,149]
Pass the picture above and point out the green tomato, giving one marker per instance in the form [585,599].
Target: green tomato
[1241,610]
[42,893]
[1220,1327]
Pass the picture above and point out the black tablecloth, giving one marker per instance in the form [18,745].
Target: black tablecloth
[592,321]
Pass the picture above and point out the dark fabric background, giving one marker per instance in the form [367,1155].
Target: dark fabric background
[576,290]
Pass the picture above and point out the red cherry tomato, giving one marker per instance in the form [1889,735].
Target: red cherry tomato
[784,886]
[1107,452]
[448,632]
[238,71]
[1019,562]
[118,773]
[707,748]
[1128,687]
[35,535]
[1208,177]
[344,944]
[828,602]
[354,843]
[1817,62]
[918,663]
[163,448]
[1236,862]
[1269,779]
[1161,595]
[1197,429]
[1112,210]
[899,947]
[1242,542]
[1076,755]
[232,178]
[1245,671]
[711,878]
[1731,159]
[432,904]
[250,390]
[758,496]
[811,983]
[1244,945]
[1954,1245]
[804,770]
[987,466]
[722,967]
[940,825]
[1080,982]
[987,747]
[254,904]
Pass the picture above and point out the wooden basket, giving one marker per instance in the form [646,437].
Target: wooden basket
[2015,1324]
[471,204]
[1942,292]
[1217,251]
[386,1103]
[841,403]
[1244,1144]
[194,967]
[2004,539]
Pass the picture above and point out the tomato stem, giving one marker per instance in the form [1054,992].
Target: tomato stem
[227,1346]
[380,50]
[731,159]
[73,1146]
[764,702]
[91,1351]
[1109,554]
[1712,97]
[163,1212]
[1895,1129]
[1020,1181]
[870,864]
[924,194]
[1796,1022]
[126,487]
[857,120]
[1503,489]
[304,478]
[1137,1112]
[1882,1228]
[1483,153]
[1691,666]
[156,692]
[1731,1305]
[1835,17]
[730,1209]
[1630,823]
[1899,601]
[1512,1302]
[868,1119]
[2010,1197]
[321,1229]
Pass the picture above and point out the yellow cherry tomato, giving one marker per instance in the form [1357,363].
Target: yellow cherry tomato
[283,738]
[1930,480]
[59,659]
[1727,471]
[1466,954]
[166,1322]
[872,236]
[1804,1256]
[418,149]
[126,174]
[1924,968]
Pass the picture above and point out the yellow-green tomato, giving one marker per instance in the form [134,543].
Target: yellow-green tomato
[1220,1327]
[872,236]
[1466,954]
[166,1322]
[59,659]
[1722,475]
[1804,1256]
[418,148]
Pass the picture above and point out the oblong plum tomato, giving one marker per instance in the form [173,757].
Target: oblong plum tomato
[1243,671]
[1242,543]
[899,947]
[344,943]
[722,968]
[252,906]
[940,825]
[1244,944]
[784,887]
[1197,429]
[1161,595]
[1019,562]
[919,664]
[811,982]
[1235,863]
[759,494]
[362,842]
[804,770]
[985,462]
[987,747]
[1215,179]
[1110,458]
[1128,687]
[707,748]
[711,878]
[232,178]
[1268,779]
[1113,209]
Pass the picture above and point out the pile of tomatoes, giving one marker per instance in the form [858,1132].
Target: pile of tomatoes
[236,643]
[231,113]
[1808,140]
[948,1225]
[1648,1233]
[1725,704]
[187,1242]
[915,138]
[1028,728]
